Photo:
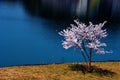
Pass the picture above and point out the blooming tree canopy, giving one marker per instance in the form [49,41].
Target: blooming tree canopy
[81,35]
[86,38]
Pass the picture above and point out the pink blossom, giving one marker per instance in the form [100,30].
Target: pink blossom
[80,33]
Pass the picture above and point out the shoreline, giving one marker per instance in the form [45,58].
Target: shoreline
[56,63]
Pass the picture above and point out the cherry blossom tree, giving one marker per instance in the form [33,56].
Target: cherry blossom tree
[86,38]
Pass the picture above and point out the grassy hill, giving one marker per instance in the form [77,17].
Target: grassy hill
[69,71]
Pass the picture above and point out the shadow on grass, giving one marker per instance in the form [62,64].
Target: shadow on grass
[94,69]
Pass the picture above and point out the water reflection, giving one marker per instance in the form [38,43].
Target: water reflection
[81,8]
[84,9]
[116,9]
[10,1]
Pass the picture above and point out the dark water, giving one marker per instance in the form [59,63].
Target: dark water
[28,39]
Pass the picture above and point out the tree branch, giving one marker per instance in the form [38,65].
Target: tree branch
[85,50]
[81,50]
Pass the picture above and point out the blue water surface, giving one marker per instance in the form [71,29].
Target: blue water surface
[25,39]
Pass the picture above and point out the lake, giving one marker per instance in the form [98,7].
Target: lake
[27,39]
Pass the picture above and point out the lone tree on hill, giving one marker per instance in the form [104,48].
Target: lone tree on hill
[86,38]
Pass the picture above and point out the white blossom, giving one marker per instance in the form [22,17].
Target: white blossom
[81,33]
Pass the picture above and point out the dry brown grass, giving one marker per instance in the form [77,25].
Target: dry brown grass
[101,71]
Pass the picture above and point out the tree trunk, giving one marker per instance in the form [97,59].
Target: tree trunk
[89,66]
[89,61]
